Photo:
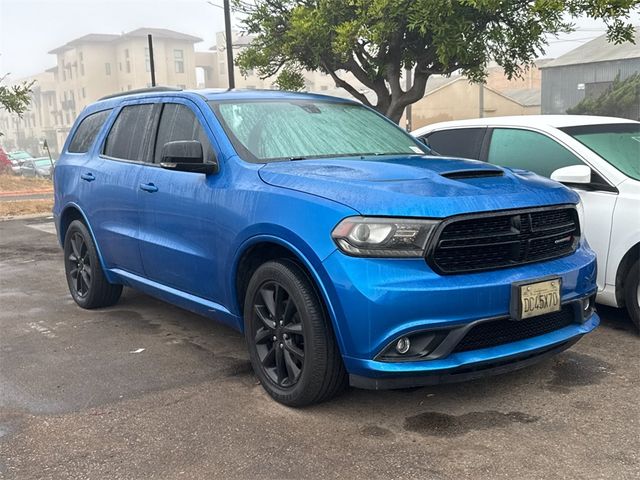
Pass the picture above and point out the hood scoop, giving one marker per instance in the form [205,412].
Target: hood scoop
[479,173]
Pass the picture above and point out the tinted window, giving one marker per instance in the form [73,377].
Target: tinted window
[178,122]
[529,151]
[126,140]
[618,144]
[458,142]
[87,132]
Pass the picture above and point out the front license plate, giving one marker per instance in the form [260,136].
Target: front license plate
[533,299]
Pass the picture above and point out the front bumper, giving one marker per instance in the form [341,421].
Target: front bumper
[474,371]
[376,301]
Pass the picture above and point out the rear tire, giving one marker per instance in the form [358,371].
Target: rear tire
[632,294]
[291,344]
[85,278]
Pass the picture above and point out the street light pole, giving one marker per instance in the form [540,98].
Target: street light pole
[229,41]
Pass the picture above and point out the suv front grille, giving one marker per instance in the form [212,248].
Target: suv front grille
[498,332]
[504,239]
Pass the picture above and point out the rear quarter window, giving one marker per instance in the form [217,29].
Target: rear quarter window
[87,132]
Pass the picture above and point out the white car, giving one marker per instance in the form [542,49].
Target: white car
[599,157]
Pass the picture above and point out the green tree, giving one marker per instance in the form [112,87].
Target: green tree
[15,98]
[621,99]
[375,40]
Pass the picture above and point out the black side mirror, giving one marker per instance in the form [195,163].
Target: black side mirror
[185,156]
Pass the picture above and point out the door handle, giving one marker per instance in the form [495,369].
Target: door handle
[148,187]
[89,177]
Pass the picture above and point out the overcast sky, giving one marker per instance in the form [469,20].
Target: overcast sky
[31,28]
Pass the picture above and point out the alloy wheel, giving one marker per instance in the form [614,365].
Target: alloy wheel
[79,262]
[279,334]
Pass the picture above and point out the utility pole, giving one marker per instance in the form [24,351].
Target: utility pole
[407,111]
[229,40]
[152,65]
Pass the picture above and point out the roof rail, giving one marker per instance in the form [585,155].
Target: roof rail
[141,90]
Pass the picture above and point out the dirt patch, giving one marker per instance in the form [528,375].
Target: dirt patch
[15,183]
[25,207]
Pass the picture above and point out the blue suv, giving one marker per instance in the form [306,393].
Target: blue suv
[326,234]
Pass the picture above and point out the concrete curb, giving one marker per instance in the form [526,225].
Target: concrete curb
[15,193]
[30,216]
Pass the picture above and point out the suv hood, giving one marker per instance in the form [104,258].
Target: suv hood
[420,186]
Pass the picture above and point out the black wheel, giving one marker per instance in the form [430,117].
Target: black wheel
[632,294]
[291,344]
[87,283]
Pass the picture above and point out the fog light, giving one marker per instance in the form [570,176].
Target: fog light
[403,345]
[586,304]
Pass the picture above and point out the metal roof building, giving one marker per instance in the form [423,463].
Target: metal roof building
[586,71]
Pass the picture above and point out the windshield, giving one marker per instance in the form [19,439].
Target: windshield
[262,131]
[618,144]
[45,162]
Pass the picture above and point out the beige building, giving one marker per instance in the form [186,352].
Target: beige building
[90,67]
[455,98]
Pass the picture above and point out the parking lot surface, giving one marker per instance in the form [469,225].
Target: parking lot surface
[146,390]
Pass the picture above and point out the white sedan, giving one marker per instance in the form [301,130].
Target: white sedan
[599,157]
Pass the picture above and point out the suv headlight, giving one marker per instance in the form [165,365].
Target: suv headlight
[383,237]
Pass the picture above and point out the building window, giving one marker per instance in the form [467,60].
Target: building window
[82,69]
[107,68]
[147,60]
[120,66]
[84,93]
[178,58]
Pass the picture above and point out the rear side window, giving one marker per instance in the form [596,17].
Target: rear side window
[178,122]
[87,132]
[529,150]
[457,142]
[127,138]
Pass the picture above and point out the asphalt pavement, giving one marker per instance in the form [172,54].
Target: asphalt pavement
[145,390]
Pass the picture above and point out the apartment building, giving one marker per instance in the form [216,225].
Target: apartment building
[90,67]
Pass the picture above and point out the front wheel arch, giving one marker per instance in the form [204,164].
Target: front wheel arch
[629,259]
[275,245]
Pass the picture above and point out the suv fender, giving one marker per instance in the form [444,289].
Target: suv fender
[307,259]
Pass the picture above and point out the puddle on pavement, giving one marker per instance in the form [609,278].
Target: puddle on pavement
[572,369]
[442,424]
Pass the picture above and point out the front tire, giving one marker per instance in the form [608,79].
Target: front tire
[632,294]
[291,344]
[87,283]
